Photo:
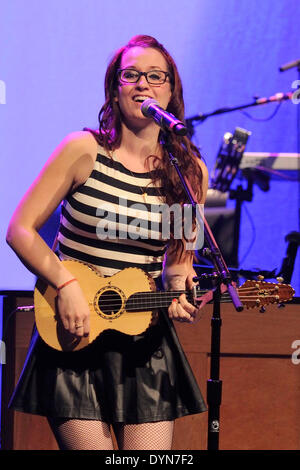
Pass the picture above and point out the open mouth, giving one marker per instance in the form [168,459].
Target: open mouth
[140,98]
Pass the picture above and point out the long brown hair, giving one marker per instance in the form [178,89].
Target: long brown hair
[109,135]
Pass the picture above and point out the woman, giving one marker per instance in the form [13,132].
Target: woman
[137,384]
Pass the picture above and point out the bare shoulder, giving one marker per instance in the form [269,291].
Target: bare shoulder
[77,151]
[203,167]
[80,138]
[77,144]
[205,179]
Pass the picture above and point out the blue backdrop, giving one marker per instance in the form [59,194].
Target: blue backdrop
[52,63]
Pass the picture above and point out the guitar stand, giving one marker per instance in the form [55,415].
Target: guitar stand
[214,385]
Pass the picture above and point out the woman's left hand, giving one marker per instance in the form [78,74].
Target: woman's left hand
[182,310]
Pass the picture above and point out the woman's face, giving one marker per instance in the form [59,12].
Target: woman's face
[131,95]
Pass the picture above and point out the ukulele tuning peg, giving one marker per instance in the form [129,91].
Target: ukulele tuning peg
[279,279]
[260,277]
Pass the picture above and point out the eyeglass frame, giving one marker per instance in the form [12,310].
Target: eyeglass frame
[140,74]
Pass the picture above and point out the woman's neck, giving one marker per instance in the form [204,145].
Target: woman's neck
[136,146]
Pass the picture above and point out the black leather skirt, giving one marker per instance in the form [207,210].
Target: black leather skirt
[117,378]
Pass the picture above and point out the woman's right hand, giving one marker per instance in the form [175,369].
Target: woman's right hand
[74,310]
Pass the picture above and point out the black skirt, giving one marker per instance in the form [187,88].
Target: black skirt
[117,378]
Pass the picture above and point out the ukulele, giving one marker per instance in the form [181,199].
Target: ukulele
[128,302]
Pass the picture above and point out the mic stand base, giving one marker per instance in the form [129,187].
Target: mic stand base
[214,384]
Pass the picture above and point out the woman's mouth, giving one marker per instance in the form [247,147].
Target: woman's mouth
[140,98]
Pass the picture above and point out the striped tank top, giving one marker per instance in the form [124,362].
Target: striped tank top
[109,223]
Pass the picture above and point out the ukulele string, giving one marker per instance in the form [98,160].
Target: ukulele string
[143,296]
[160,299]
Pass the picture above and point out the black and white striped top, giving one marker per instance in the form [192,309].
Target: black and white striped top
[108,222]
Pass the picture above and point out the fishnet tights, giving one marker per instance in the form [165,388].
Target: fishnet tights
[77,434]
[145,436]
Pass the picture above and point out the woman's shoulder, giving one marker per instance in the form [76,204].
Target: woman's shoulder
[84,141]
[205,178]
[203,167]
[80,140]
[78,151]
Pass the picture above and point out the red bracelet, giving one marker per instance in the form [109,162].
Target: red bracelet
[65,284]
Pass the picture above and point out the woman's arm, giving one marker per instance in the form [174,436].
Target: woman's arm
[178,275]
[68,167]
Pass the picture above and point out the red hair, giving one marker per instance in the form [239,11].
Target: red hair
[110,129]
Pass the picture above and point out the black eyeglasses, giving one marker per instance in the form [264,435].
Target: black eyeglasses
[153,77]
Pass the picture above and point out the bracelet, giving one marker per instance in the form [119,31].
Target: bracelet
[65,284]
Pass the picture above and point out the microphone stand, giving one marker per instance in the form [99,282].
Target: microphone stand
[257,102]
[222,276]
[214,385]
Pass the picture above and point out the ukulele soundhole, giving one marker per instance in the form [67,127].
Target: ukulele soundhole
[109,302]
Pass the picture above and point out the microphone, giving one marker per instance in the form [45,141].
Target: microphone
[151,108]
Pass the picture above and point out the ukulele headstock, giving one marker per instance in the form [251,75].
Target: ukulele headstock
[260,293]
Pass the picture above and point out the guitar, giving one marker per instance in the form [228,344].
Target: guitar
[127,302]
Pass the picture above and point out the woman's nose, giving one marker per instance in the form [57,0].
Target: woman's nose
[142,82]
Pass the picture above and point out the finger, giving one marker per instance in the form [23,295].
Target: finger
[184,319]
[175,310]
[66,323]
[198,315]
[172,310]
[77,327]
[86,326]
[64,318]
[182,313]
[187,306]
[79,331]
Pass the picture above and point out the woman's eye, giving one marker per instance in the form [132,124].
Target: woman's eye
[154,76]
[130,74]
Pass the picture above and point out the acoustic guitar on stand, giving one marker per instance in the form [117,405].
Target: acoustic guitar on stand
[128,302]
